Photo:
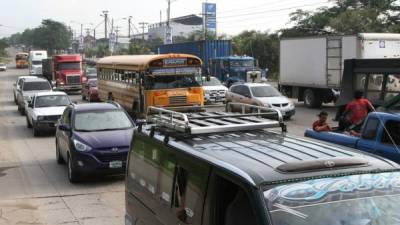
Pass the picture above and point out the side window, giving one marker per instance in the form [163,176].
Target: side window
[246,91]
[391,135]
[66,117]
[235,89]
[370,129]
[189,189]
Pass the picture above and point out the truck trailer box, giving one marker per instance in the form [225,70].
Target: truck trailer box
[205,50]
[311,68]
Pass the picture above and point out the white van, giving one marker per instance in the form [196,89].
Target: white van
[35,61]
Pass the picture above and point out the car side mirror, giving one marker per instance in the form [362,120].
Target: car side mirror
[64,127]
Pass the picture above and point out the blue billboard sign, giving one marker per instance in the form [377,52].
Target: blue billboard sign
[210,16]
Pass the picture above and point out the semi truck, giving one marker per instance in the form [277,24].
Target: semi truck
[35,62]
[311,68]
[64,72]
[218,60]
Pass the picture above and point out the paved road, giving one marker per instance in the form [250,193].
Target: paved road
[35,190]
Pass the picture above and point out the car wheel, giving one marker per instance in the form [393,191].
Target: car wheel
[21,110]
[83,97]
[59,158]
[28,124]
[73,175]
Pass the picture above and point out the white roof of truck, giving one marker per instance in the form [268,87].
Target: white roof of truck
[379,36]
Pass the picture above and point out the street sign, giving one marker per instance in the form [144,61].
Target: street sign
[210,16]
[168,35]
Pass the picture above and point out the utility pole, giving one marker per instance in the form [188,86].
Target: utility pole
[129,27]
[105,15]
[143,27]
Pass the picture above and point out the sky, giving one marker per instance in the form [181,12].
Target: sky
[232,16]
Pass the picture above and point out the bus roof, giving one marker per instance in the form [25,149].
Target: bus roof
[22,53]
[141,61]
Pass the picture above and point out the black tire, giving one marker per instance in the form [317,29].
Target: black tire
[311,99]
[21,110]
[15,100]
[83,97]
[28,124]
[59,157]
[73,175]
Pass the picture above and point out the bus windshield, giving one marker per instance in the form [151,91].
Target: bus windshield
[242,63]
[171,82]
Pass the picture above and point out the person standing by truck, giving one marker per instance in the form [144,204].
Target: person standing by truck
[356,111]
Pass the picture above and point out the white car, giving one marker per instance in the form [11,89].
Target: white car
[261,94]
[3,67]
[214,91]
[44,110]
[18,84]
[29,88]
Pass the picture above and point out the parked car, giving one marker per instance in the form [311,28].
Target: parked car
[90,91]
[44,110]
[93,138]
[380,135]
[214,90]
[191,174]
[3,67]
[261,94]
[28,89]
[18,84]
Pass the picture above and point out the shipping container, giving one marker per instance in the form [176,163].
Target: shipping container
[311,68]
[205,50]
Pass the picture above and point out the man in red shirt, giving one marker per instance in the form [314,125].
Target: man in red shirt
[321,125]
[358,109]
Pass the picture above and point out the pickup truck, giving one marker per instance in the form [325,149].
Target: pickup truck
[380,135]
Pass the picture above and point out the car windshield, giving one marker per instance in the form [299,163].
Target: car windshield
[369,199]
[92,83]
[170,82]
[69,66]
[213,82]
[36,86]
[102,121]
[265,91]
[91,71]
[51,101]
[242,63]
[36,62]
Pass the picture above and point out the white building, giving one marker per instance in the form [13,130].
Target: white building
[181,26]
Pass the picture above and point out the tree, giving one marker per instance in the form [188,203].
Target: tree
[3,46]
[52,35]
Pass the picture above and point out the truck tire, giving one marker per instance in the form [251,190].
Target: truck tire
[312,99]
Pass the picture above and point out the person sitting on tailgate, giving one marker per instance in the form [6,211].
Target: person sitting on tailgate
[356,112]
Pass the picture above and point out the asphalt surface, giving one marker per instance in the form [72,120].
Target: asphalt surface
[35,190]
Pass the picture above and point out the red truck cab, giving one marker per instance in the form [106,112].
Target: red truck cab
[68,72]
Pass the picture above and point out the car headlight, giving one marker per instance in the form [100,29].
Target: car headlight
[40,118]
[291,104]
[79,146]
[267,105]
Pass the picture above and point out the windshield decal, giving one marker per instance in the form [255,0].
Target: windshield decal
[334,189]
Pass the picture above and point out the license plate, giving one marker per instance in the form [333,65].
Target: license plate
[115,164]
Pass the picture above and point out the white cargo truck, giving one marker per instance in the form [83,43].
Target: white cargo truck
[35,62]
[311,68]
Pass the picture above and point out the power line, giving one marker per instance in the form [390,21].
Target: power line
[274,10]
[252,7]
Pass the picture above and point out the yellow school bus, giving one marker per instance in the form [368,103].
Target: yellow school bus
[137,82]
[21,60]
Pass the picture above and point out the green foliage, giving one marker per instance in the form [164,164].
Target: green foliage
[260,45]
[143,47]
[3,46]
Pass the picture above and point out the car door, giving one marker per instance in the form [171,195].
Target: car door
[390,140]
[368,141]
[246,95]
[64,136]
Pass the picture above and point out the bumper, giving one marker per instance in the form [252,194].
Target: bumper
[70,88]
[288,113]
[210,99]
[46,125]
[104,164]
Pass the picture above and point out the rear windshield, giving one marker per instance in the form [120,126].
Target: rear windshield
[36,62]
[370,199]
[36,86]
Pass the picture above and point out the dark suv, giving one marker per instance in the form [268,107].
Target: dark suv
[93,138]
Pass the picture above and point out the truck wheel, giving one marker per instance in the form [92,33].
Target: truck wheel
[311,99]
[21,110]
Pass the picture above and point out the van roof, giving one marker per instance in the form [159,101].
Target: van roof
[266,157]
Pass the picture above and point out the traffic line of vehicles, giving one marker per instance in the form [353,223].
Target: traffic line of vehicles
[184,165]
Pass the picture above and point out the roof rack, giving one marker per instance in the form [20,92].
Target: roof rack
[249,117]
